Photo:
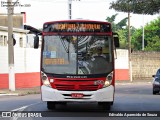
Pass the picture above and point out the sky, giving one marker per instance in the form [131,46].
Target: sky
[40,11]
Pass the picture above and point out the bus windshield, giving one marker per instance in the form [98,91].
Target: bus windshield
[76,55]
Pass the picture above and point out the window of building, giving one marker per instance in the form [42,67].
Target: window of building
[5,40]
[1,40]
[20,42]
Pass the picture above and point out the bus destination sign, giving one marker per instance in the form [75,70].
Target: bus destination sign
[77,27]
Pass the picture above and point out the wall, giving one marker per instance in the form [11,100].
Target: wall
[27,67]
[121,65]
[144,64]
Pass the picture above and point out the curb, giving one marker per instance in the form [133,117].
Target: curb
[131,83]
[9,94]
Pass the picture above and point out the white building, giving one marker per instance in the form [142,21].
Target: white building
[20,36]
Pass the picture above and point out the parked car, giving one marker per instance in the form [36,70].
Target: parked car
[156,82]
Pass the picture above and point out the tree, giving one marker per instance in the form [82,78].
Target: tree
[121,29]
[137,6]
[152,37]
[119,25]
[112,20]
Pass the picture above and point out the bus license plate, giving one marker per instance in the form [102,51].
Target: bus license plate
[77,95]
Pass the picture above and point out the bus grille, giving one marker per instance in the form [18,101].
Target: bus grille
[65,87]
[76,85]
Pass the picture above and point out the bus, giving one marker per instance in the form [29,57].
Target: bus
[77,62]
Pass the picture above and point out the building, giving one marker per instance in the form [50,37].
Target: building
[26,60]
[18,34]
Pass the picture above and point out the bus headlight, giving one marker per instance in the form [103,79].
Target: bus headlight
[108,80]
[45,80]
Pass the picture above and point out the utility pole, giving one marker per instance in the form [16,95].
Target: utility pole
[10,46]
[129,48]
[129,44]
[69,9]
[143,34]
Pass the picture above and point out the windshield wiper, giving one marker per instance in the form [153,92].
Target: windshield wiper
[64,45]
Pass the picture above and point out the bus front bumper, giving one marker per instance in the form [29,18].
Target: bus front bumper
[101,95]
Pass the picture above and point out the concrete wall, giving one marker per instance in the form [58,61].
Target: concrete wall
[27,67]
[145,64]
[121,65]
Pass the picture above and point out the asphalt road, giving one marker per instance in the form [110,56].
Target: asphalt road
[128,97]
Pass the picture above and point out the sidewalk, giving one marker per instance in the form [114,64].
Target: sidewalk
[20,92]
[36,90]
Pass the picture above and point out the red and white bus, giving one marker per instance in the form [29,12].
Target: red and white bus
[77,62]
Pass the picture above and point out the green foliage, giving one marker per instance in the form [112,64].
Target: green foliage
[123,38]
[151,37]
[151,34]
[111,20]
[137,6]
[122,29]
[119,25]
[122,24]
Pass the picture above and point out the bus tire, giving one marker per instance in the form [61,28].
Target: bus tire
[50,105]
[105,105]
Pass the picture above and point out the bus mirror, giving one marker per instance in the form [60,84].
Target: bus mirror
[116,42]
[36,42]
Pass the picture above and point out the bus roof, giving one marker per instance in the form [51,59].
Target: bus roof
[77,20]
[77,26]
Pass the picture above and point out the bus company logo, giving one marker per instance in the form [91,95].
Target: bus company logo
[76,76]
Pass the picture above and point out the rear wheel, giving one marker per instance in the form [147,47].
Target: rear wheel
[51,105]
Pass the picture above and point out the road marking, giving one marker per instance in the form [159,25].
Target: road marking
[22,109]
[9,94]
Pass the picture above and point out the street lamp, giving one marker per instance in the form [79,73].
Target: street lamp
[143,34]
[70,8]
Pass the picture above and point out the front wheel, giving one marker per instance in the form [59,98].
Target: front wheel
[105,105]
[154,92]
[50,105]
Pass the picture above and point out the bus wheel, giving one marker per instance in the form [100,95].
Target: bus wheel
[105,105]
[50,105]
